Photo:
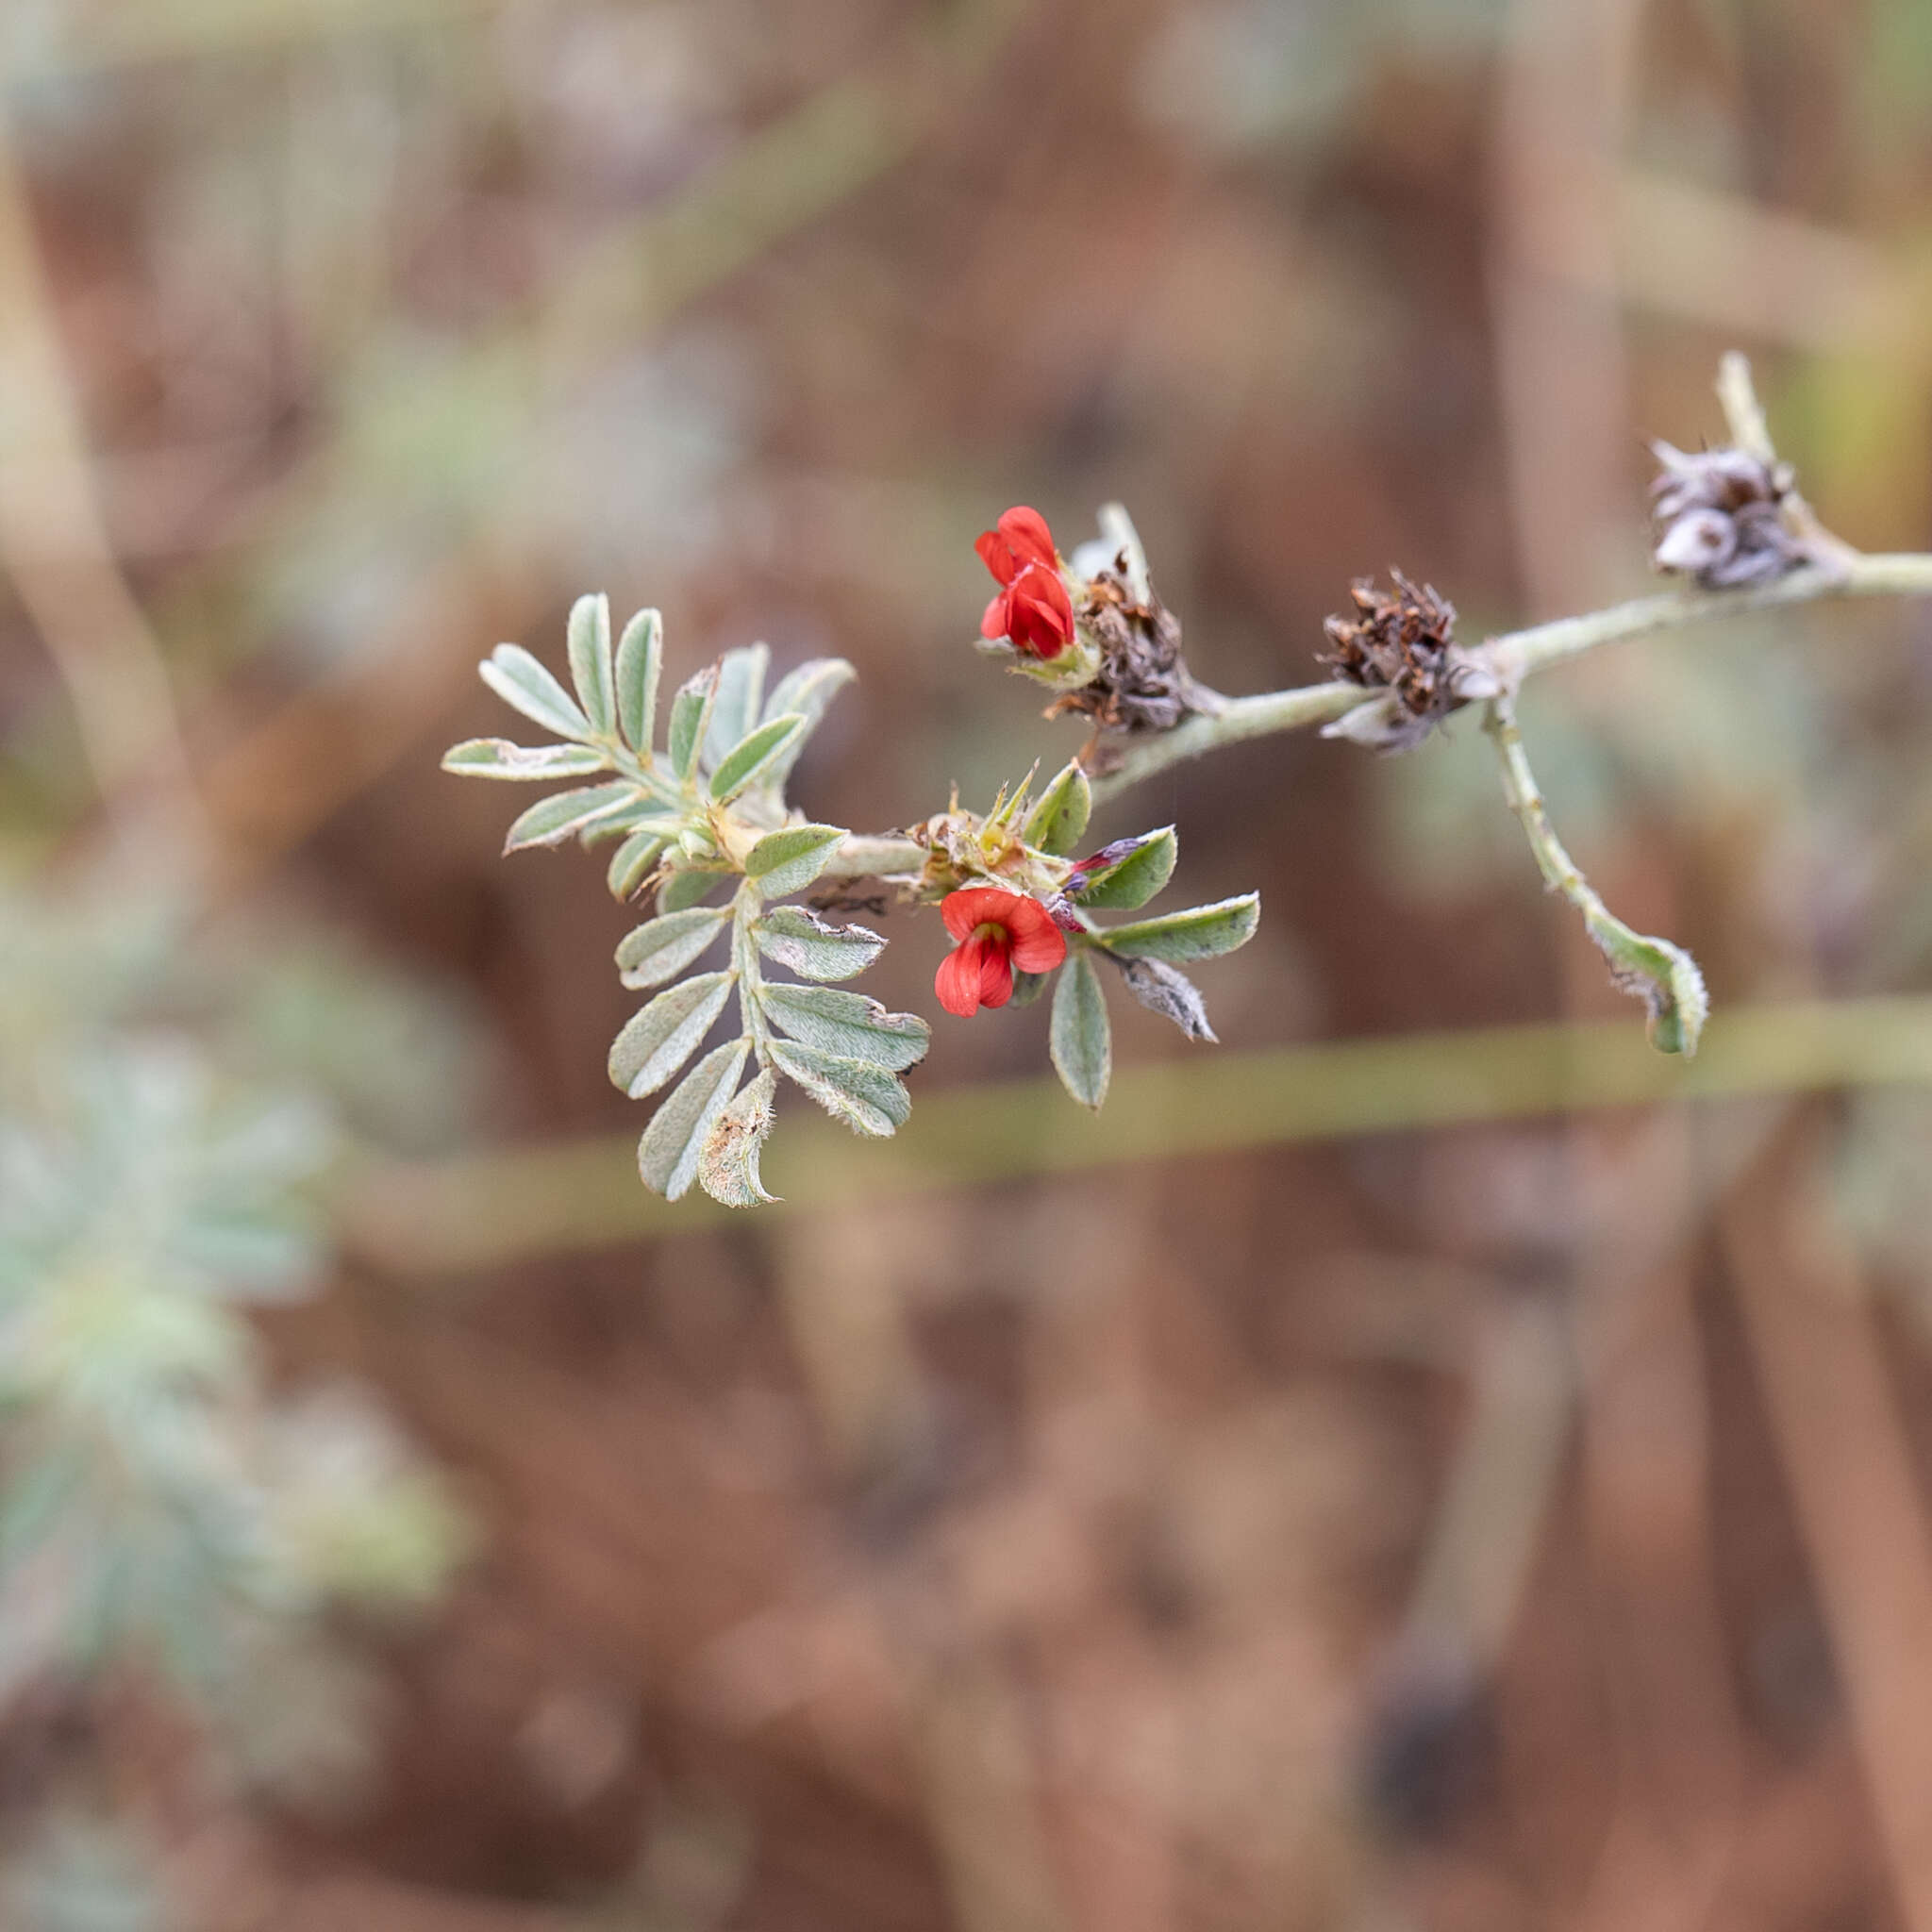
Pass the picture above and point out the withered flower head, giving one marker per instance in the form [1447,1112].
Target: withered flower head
[1402,641]
[1143,683]
[1720,516]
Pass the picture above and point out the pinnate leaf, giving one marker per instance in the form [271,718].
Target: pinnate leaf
[1058,820]
[728,1163]
[867,1098]
[523,683]
[788,861]
[741,692]
[591,667]
[748,759]
[660,949]
[849,1025]
[551,819]
[660,1038]
[1199,933]
[640,659]
[1081,1041]
[496,757]
[691,711]
[807,946]
[1136,875]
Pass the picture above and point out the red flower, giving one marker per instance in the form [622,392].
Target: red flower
[996,932]
[1033,609]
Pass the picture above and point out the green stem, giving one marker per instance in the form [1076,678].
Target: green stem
[484,1210]
[1526,799]
[1259,716]
[1660,972]
[744,958]
[886,855]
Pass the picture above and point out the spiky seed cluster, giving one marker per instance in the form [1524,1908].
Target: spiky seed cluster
[1401,642]
[1720,516]
[1143,683]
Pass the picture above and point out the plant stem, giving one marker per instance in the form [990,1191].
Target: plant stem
[1259,716]
[1662,975]
[1525,797]
[884,855]
[1514,654]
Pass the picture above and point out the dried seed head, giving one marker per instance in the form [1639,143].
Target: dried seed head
[1720,516]
[1402,641]
[1143,683]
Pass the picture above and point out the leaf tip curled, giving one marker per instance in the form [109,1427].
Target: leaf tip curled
[1680,1026]
[1663,976]
[728,1160]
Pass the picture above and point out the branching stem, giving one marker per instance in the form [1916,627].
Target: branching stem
[1515,655]
[1512,654]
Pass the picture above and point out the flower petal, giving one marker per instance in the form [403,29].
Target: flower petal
[1040,614]
[993,624]
[995,972]
[1028,537]
[957,981]
[974,906]
[1039,950]
[997,556]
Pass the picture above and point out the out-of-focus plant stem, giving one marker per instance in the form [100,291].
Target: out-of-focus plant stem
[490,1209]
[55,547]
[1835,1412]
[174,29]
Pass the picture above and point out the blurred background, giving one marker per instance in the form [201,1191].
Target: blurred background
[1404,1485]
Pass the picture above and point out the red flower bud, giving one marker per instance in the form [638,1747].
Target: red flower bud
[1032,610]
[996,931]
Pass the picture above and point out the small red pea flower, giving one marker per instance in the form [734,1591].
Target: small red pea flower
[996,932]
[1032,610]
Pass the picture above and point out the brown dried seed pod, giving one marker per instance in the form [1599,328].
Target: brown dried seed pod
[1143,683]
[1402,643]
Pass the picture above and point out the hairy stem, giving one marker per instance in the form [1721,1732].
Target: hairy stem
[1526,799]
[883,854]
[1662,975]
